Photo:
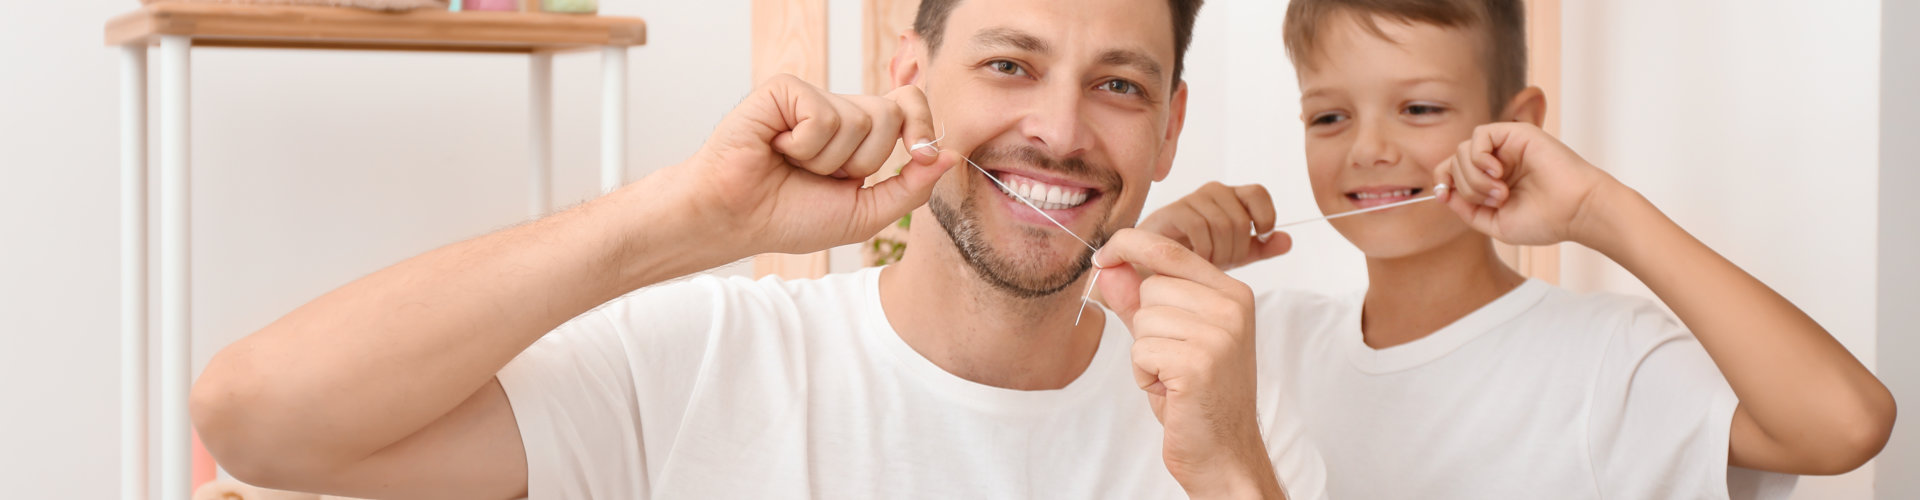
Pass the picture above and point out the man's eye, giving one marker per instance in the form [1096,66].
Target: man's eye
[1120,87]
[1006,67]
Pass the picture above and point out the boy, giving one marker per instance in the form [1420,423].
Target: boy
[1454,376]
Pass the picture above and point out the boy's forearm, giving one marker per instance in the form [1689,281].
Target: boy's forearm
[368,364]
[1820,408]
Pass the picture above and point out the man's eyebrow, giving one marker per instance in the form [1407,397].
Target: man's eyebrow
[1010,38]
[1137,60]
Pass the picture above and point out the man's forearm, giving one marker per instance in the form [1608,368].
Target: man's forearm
[1805,391]
[370,363]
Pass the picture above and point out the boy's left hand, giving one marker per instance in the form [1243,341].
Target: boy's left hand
[1520,185]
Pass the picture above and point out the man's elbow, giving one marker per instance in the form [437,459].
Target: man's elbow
[231,411]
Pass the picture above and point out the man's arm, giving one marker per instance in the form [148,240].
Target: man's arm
[385,387]
[1807,406]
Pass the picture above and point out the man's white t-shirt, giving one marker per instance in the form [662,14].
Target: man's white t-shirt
[1542,393]
[730,388]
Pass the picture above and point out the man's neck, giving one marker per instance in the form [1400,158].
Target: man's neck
[943,309]
[1411,297]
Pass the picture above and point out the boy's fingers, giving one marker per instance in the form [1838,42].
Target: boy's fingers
[1277,244]
[1259,205]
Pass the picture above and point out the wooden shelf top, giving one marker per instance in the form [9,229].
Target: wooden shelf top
[260,26]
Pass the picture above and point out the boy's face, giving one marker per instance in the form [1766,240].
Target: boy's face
[1380,114]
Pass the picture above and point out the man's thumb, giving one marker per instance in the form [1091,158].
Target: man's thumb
[892,198]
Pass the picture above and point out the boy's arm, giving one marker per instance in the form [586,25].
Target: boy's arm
[1807,406]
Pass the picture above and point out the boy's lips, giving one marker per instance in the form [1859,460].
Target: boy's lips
[1373,196]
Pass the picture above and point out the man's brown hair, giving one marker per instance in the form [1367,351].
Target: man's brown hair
[1502,25]
[931,23]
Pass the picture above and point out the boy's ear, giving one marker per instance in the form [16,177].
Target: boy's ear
[1529,106]
[908,59]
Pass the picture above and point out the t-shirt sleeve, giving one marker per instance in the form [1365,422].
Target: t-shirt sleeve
[590,394]
[1662,415]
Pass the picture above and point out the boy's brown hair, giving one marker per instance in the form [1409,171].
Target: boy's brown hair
[931,23]
[1501,24]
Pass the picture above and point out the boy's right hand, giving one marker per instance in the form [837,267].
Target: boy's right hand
[784,171]
[1220,223]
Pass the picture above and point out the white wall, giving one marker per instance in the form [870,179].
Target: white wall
[312,168]
[1898,271]
[1754,124]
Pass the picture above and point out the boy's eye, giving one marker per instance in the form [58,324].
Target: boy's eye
[1006,67]
[1325,119]
[1120,87]
[1424,109]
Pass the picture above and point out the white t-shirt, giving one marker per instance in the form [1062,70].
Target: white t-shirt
[730,388]
[1542,393]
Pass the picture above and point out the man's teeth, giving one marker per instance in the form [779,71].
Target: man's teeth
[1045,196]
[1389,194]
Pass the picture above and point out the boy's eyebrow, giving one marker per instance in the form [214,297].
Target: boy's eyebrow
[1003,37]
[1135,59]
[1310,93]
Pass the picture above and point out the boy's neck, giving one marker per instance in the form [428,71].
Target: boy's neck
[954,318]
[1409,298]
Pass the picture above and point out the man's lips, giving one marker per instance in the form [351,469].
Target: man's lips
[1061,199]
[1373,196]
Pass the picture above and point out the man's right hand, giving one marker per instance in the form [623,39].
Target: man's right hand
[1219,223]
[784,171]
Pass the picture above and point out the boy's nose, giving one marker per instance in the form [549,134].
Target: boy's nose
[1372,148]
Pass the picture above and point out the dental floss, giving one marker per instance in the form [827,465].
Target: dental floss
[1442,188]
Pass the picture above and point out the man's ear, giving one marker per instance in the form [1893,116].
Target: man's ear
[1529,106]
[1176,120]
[908,59]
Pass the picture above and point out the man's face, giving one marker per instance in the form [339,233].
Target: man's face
[1380,114]
[1070,103]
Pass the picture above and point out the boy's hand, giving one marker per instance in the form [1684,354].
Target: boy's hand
[783,172]
[1215,222]
[1193,354]
[1521,186]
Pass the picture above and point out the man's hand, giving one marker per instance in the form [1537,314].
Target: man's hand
[783,172]
[1220,223]
[1521,186]
[1193,354]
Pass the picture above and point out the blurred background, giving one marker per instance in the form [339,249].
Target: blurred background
[1779,132]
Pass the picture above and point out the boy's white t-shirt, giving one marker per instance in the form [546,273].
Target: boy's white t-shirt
[1542,393]
[729,388]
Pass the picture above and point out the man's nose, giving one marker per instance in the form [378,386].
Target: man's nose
[1372,146]
[1055,124]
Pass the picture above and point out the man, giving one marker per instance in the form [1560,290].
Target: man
[959,372]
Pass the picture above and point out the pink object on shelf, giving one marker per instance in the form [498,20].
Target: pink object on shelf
[506,5]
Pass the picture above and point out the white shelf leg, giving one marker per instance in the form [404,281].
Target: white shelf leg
[176,452]
[133,272]
[540,123]
[613,117]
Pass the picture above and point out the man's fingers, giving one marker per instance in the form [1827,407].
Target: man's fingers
[855,123]
[880,141]
[1158,255]
[1200,306]
[811,120]
[1151,356]
[916,117]
[883,203]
